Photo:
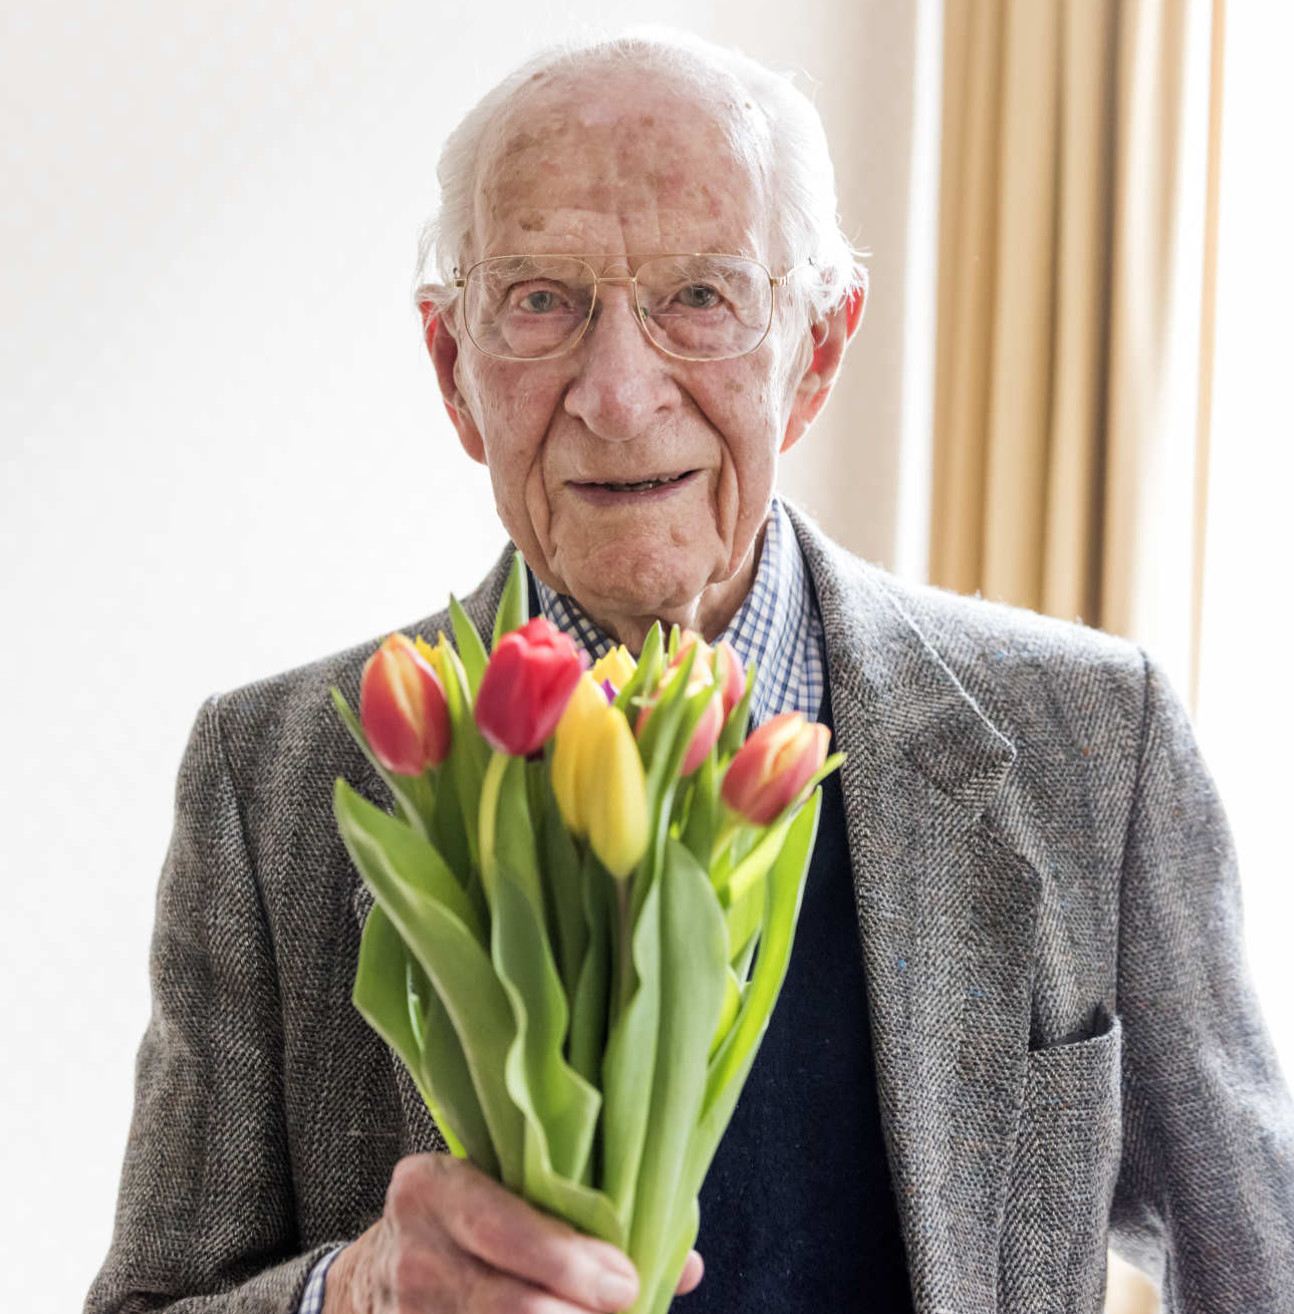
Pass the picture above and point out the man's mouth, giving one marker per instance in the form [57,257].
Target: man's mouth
[640,485]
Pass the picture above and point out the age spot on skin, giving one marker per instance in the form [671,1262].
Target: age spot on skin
[518,142]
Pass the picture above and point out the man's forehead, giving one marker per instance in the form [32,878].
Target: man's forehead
[564,157]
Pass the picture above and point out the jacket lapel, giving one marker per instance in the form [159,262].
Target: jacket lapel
[947,910]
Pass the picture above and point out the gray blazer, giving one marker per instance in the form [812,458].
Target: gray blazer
[1068,1049]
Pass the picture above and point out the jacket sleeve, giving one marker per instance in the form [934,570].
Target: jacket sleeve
[1205,1196]
[205,1215]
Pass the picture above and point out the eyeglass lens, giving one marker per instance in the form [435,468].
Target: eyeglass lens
[707,307]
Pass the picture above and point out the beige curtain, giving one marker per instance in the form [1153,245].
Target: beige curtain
[1073,359]
[1069,458]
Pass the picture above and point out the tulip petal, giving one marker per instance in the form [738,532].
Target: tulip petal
[616,788]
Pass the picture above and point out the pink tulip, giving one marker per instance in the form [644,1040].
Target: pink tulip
[773,766]
[706,734]
[402,709]
[525,688]
[730,675]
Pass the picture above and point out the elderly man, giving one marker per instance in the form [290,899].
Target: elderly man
[1016,1024]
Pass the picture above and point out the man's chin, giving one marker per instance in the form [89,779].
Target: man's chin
[634,586]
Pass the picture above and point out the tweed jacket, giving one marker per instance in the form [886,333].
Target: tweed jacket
[1068,1050]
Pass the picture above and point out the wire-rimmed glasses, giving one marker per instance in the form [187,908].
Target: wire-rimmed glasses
[697,306]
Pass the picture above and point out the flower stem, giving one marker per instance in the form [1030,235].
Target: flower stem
[489,820]
[624,949]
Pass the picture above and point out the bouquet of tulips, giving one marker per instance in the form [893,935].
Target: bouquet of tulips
[568,902]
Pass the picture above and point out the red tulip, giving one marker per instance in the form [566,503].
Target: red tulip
[773,766]
[402,709]
[529,678]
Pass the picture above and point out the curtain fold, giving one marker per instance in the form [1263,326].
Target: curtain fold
[1067,449]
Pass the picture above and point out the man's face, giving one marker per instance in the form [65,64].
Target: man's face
[608,168]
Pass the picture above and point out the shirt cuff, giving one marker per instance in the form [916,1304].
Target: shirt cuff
[312,1299]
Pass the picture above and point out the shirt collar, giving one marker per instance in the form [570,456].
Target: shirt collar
[776,626]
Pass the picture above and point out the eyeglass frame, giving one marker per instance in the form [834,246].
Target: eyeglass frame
[640,316]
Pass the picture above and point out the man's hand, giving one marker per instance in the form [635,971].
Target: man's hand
[451,1239]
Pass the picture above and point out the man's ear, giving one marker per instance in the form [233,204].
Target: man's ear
[830,338]
[442,347]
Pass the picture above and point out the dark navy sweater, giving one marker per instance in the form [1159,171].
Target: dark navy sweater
[797,1211]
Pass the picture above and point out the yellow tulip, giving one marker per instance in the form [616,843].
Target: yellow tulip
[598,778]
[618,666]
[434,657]
[586,705]
[614,789]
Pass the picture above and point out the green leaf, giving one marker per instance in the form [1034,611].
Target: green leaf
[744,918]
[507,837]
[560,1108]
[733,734]
[704,813]
[646,672]
[785,891]
[459,969]
[466,763]
[514,605]
[741,960]
[413,795]
[435,1058]
[470,648]
[562,1104]
[447,832]
[658,735]
[414,979]
[683,1232]
[400,851]
[629,1062]
[563,891]
[693,973]
[380,991]
[753,866]
[592,990]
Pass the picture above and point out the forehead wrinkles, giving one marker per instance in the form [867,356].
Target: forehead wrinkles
[641,150]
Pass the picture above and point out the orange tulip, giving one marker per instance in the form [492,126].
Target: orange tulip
[773,766]
[402,709]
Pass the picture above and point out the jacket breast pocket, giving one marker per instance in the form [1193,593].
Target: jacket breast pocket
[1053,1254]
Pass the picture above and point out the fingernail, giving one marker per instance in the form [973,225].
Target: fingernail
[616,1290]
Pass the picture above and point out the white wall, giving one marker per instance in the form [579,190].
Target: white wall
[221,452]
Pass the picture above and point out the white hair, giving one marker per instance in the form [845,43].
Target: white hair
[796,163]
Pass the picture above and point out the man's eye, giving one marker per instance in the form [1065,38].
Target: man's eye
[541,301]
[699,296]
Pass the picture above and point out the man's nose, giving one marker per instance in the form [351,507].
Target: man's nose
[622,380]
